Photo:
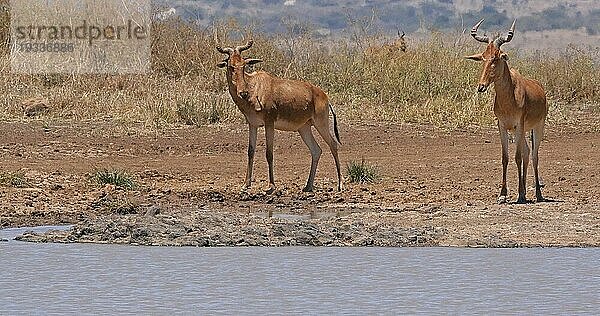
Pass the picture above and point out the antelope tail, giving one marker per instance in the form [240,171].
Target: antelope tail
[335,126]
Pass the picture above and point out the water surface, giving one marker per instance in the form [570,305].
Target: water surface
[79,279]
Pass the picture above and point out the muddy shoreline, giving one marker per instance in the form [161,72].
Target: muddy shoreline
[338,227]
[437,188]
[219,229]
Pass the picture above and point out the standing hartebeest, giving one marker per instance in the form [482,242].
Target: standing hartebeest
[399,45]
[282,104]
[520,106]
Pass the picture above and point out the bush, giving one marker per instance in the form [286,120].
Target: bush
[118,178]
[361,172]
[191,114]
[13,179]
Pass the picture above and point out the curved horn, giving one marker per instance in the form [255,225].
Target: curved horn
[480,38]
[240,49]
[400,35]
[228,51]
[501,40]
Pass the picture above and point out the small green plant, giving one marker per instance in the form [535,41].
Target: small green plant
[118,178]
[13,179]
[361,172]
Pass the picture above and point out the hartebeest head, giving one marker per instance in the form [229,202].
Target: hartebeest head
[401,42]
[494,59]
[236,65]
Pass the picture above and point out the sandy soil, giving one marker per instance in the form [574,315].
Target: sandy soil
[446,181]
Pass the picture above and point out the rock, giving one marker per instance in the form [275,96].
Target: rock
[152,211]
[126,209]
[56,236]
[35,106]
[216,196]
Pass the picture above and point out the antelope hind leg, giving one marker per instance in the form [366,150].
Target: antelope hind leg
[536,139]
[322,127]
[315,151]
[270,135]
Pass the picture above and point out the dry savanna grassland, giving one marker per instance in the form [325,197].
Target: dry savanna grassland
[160,158]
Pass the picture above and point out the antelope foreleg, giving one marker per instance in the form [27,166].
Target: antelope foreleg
[252,133]
[504,140]
[519,155]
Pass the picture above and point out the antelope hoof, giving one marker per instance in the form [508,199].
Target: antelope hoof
[502,199]
[271,189]
[521,200]
[541,183]
[540,198]
[307,189]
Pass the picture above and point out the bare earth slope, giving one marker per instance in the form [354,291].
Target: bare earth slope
[437,188]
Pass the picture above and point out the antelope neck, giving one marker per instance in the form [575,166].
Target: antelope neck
[504,86]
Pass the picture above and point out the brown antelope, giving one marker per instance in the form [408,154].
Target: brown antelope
[401,42]
[282,104]
[399,45]
[520,106]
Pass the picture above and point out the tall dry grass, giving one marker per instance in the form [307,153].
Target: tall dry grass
[431,83]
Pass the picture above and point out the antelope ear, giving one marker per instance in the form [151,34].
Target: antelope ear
[504,56]
[222,64]
[252,61]
[476,57]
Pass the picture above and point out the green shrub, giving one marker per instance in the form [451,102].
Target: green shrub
[118,178]
[361,172]
[13,179]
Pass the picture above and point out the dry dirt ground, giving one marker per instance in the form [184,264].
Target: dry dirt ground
[433,178]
